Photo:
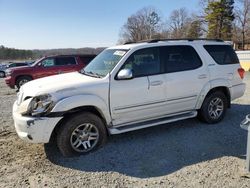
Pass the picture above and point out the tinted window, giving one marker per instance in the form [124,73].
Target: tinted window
[21,64]
[17,64]
[48,62]
[86,59]
[65,61]
[180,58]
[144,62]
[12,65]
[222,54]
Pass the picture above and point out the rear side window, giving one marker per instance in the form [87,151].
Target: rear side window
[60,61]
[222,54]
[180,58]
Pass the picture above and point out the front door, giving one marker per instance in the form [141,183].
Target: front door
[143,97]
[46,68]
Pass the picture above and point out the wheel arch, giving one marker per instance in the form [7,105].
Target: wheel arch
[224,89]
[24,75]
[74,111]
[82,103]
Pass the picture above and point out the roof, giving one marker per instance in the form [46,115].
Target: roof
[65,55]
[162,42]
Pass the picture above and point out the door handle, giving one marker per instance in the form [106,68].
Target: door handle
[230,74]
[202,76]
[156,83]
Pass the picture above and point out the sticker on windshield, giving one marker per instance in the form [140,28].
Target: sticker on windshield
[119,53]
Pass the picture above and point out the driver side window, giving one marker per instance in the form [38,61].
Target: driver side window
[144,62]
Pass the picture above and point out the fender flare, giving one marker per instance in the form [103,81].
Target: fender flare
[76,101]
[208,87]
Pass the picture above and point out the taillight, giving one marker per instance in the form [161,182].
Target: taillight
[241,72]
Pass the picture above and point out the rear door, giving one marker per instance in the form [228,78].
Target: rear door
[185,75]
[66,64]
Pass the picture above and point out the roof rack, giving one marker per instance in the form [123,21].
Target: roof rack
[180,39]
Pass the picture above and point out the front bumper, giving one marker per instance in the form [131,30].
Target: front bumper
[10,82]
[34,129]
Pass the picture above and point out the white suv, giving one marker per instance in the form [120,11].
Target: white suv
[130,87]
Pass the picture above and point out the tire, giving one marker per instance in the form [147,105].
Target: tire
[73,137]
[2,74]
[214,108]
[22,80]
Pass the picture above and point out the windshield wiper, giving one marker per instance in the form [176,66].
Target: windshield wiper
[90,73]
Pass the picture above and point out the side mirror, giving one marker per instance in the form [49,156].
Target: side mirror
[125,74]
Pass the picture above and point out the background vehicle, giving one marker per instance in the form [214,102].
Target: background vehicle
[20,64]
[130,87]
[11,65]
[2,70]
[46,66]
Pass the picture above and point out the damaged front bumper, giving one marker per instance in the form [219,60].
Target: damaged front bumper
[34,129]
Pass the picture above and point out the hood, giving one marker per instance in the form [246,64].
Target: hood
[59,85]
[21,68]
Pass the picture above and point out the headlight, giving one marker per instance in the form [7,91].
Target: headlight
[8,73]
[40,105]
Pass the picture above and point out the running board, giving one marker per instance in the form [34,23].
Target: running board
[150,123]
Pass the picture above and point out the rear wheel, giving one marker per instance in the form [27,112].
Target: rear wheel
[81,134]
[213,108]
[22,80]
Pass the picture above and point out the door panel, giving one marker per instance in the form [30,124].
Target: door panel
[66,64]
[47,68]
[185,77]
[183,89]
[142,97]
[137,100]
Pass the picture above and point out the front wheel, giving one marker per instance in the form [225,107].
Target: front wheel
[213,108]
[80,134]
[22,80]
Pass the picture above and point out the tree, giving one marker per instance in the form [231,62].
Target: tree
[178,22]
[142,25]
[195,29]
[242,15]
[11,53]
[220,17]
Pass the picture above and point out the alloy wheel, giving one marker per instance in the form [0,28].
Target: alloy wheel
[215,108]
[84,137]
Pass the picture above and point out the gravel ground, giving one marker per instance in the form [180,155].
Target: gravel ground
[182,154]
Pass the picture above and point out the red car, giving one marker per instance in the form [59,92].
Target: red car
[46,66]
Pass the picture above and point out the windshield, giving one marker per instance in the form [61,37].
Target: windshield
[35,63]
[104,62]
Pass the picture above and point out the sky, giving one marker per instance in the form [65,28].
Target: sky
[48,24]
